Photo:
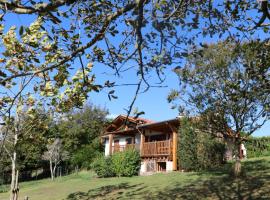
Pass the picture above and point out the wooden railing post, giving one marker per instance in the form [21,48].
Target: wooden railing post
[110,143]
[142,144]
[155,149]
[174,150]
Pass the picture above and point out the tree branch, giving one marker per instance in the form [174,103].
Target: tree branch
[38,8]
[81,49]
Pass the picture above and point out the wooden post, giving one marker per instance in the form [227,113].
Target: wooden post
[142,143]
[174,150]
[110,143]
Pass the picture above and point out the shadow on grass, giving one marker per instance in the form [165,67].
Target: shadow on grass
[108,192]
[254,184]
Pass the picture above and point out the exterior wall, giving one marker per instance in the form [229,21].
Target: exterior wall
[143,167]
[107,147]
[122,140]
[138,138]
[244,150]
[169,166]
[231,149]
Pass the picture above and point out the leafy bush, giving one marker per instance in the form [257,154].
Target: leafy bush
[187,149]
[84,156]
[210,153]
[126,163]
[257,147]
[198,150]
[102,165]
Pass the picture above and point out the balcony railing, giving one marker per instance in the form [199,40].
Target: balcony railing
[118,148]
[158,148]
[149,149]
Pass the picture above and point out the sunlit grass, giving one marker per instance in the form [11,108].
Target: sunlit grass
[254,184]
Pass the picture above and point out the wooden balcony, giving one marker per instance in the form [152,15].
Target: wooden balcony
[119,148]
[158,148]
[149,149]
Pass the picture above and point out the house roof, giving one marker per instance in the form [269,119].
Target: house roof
[174,121]
[118,127]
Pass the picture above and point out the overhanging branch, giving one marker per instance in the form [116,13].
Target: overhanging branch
[81,49]
[38,8]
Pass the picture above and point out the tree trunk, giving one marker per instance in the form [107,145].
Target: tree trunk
[17,186]
[237,165]
[51,169]
[14,174]
[13,177]
[14,188]
[54,170]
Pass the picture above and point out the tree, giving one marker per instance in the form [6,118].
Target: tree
[69,37]
[22,130]
[216,85]
[198,150]
[55,155]
[64,31]
[187,150]
[81,126]
[80,131]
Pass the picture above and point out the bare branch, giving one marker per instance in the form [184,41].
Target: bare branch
[38,8]
[264,10]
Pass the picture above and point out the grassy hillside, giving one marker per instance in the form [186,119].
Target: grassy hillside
[205,185]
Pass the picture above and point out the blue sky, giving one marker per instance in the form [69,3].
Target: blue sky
[153,102]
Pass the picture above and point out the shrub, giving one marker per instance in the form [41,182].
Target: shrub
[187,149]
[210,153]
[257,147]
[84,156]
[198,150]
[126,163]
[102,165]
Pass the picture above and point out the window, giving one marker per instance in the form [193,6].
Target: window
[129,141]
[161,166]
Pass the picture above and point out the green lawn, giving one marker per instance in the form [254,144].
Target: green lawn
[255,184]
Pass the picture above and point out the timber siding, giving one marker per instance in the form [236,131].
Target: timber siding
[156,141]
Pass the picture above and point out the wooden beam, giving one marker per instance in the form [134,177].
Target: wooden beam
[142,143]
[110,143]
[175,145]
[174,150]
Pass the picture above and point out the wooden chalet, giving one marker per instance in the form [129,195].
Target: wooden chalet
[156,141]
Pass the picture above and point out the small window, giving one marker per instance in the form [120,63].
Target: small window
[161,166]
[129,141]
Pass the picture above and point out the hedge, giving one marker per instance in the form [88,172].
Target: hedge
[257,147]
[198,150]
[126,163]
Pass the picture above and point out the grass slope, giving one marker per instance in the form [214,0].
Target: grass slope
[255,184]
